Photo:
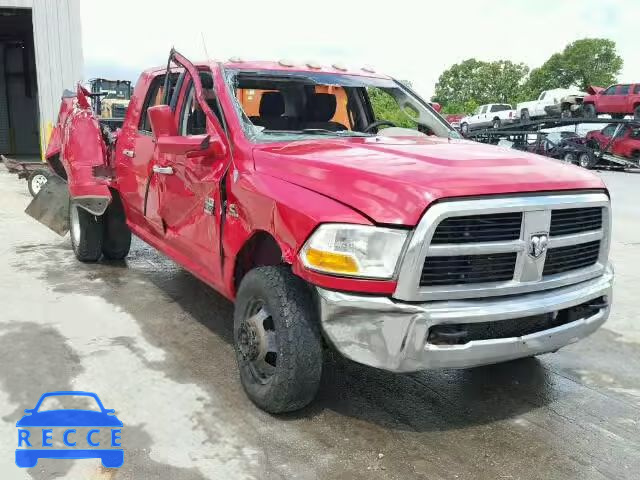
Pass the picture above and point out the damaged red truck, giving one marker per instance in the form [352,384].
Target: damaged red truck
[281,187]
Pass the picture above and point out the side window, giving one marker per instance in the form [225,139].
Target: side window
[624,90]
[542,95]
[636,89]
[155,96]
[608,131]
[484,109]
[193,120]
[611,90]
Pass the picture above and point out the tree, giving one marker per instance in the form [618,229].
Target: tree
[590,61]
[475,82]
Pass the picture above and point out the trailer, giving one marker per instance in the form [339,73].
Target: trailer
[520,134]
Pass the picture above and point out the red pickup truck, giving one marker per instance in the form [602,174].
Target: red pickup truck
[617,100]
[403,248]
[626,142]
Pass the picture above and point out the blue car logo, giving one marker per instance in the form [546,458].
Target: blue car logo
[35,432]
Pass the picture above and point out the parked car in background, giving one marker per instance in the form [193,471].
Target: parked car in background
[617,100]
[626,142]
[536,108]
[454,119]
[492,115]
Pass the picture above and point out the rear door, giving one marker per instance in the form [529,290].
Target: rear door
[619,100]
[136,153]
[606,100]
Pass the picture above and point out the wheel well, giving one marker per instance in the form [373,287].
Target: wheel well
[57,167]
[260,250]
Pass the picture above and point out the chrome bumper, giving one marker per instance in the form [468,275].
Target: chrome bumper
[392,335]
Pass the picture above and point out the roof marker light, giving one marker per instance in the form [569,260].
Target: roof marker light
[236,60]
[339,66]
[286,63]
[368,69]
[314,65]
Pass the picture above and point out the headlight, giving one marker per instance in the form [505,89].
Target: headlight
[354,250]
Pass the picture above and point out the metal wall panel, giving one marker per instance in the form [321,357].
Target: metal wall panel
[4,107]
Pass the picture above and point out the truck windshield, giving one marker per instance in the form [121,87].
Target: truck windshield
[276,106]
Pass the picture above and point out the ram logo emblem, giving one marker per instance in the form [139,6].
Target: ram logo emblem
[538,243]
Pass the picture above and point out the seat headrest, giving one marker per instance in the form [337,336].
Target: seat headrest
[206,80]
[271,104]
[321,107]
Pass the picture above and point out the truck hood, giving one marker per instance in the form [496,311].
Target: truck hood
[393,180]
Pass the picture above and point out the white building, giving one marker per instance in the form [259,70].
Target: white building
[40,56]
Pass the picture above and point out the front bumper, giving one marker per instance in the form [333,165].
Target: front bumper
[392,335]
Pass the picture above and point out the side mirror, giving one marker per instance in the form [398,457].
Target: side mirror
[162,122]
[28,410]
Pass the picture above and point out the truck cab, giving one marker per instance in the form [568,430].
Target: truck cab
[334,206]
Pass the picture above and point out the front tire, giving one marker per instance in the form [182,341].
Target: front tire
[636,112]
[586,160]
[277,339]
[570,157]
[590,110]
[524,116]
[464,128]
[496,123]
[86,232]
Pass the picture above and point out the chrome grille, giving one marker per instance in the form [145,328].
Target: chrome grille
[479,228]
[463,269]
[575,220]
[572,257]
[459,251]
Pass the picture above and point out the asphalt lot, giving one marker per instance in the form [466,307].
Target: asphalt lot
[155,344]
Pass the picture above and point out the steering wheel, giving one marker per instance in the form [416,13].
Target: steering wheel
[377,124]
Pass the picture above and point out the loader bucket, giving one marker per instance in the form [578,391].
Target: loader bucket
[51,205]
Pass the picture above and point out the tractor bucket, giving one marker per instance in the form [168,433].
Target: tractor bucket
[51,205]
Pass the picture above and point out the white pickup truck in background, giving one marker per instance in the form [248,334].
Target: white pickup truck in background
[492,115]
[536,108]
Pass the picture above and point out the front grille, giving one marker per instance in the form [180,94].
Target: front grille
[465,269]
[479,228]
[461,333]
[572,257]
[575,220]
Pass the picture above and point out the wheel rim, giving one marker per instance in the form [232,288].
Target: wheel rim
[257,341]
[584,160]
[496,124]
[75,224]
[37,182]
[465,128]
[570,157]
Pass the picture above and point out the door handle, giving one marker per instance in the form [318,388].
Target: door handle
[162,170]
[129,153]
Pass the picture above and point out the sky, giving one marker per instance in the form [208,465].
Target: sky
[410,40]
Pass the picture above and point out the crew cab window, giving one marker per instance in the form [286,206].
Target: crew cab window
[193,120]
[155,96]
[609,130]
[611,90]
[624,90]
[500,108]
[484,109]
[636,89]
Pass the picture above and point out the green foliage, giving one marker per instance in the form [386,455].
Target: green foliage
[475,82]
[590,61]
[464,86]
[385,107]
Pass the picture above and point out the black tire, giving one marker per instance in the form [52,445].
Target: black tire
[464,128]
[86,232]
[590,110]
[586,160]
[36,181]
[570,157]
[285,311]
[636,112]
[496,123]
[565,114]
[116,240]
[524,115]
